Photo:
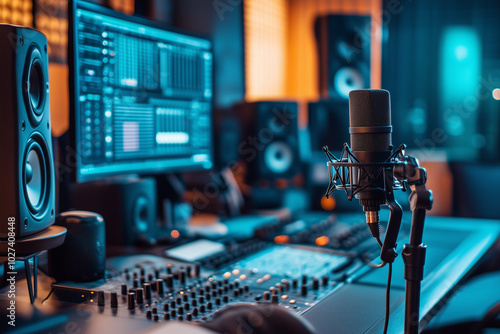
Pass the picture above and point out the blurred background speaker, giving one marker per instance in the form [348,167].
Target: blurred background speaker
[268,150]
[27,176]
[343,43]
[269,144]
[127,205]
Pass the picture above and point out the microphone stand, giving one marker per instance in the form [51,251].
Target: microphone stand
[407,171]
[420,199]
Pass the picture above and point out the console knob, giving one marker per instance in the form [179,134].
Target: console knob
[100,298]
[225,299]
[194,302]
[324,280]
[274,299]
[217,301]
[156,317]
[148,314]
[124,289]
[295,283]
[114,299]
[147,291]
[159,286]
[180,310]
[202,308]
[165,307]
[196,269]
[139,297]
[154,310]
[315,284]
[195,311]
[131,300]
[170,281]
[209,305]
[267,295]
[136,283]
[188,271]
[182,277]
[304,279]
[303,290]
[169,268]
[186,306]
[166,316]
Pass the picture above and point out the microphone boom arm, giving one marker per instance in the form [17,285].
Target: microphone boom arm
[410,172]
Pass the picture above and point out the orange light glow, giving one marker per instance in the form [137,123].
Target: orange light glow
[328,204]
[281,183]
[175,234]
[322,241]
[281,239]
[265,48]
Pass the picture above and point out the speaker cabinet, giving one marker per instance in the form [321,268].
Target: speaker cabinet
[328,124]
[269,145]
[128,207]
[343,43]
[27,176]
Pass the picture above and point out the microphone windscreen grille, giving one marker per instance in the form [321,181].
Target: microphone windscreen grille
[369,107]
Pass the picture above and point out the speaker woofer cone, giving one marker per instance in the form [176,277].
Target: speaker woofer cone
[278,157]
[36,176]
[347,79]
[34,81]
[35,84]
[141,214]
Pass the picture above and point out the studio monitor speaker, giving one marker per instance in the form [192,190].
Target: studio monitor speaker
[27,176]
[269,145]
[343,43]
[127,205]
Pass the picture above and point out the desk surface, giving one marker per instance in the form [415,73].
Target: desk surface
[455,246]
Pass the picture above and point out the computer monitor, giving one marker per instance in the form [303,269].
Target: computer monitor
[140,95]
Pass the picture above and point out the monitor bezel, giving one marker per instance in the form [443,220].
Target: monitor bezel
[76,176]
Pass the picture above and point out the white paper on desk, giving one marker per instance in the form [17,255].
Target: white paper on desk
[196,250]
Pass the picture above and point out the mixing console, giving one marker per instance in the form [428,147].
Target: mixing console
[347,233]
[160,289]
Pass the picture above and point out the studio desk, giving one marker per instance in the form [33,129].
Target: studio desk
[332,289]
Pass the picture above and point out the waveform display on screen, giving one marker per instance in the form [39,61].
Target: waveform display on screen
[144,96]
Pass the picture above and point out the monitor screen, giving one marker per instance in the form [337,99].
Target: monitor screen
[140,94]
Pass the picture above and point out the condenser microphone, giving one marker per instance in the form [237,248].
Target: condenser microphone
[371,144]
